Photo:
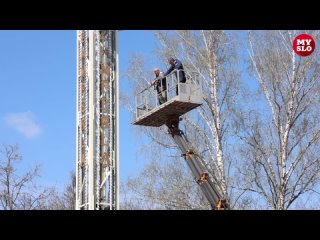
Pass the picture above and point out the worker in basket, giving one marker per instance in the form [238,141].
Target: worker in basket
[176,64]
[160,84]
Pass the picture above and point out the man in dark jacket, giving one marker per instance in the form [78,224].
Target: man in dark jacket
[176,65]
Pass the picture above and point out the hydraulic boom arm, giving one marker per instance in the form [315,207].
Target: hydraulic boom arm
[197,166]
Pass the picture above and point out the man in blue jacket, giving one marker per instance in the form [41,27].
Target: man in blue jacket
[176,65]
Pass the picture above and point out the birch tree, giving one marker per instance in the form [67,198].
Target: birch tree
[212,54]
[281,136]
[18,190]
[65,200]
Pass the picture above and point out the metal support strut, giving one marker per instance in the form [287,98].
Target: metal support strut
[196,165]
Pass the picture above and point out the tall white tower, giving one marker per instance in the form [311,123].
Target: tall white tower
[97,165]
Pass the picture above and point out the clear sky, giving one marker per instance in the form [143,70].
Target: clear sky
[37,95]
[141,42]
[38,99]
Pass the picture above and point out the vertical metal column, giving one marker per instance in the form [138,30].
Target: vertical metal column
[82,120]
[116,121]
[97,120]
[92,125]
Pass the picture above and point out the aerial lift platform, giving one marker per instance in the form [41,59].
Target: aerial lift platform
[180,98]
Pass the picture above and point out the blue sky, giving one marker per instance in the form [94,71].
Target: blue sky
[38,100]
[141,42]
[38,92]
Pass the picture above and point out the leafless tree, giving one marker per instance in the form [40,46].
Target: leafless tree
[18,190]
[166,186]
[281,132]
[70,192]
[213,55]
[64,200]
